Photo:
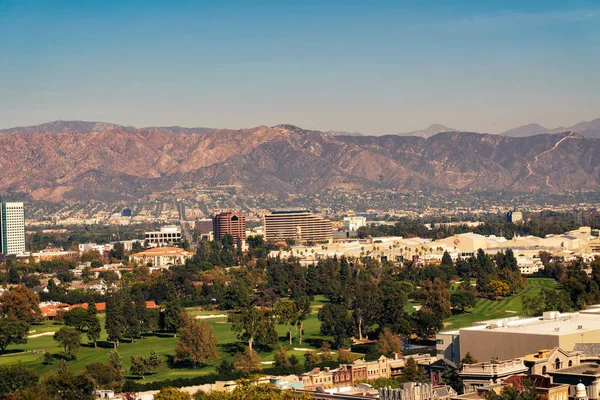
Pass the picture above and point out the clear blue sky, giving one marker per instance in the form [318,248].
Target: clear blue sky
[369,66]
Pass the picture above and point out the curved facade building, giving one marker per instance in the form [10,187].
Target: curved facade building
[297,224]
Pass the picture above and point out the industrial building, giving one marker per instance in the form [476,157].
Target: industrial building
[514,337]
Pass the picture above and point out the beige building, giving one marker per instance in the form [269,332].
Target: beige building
[162,256]
[298,225]
[482,374]
[516,337]
[545,361]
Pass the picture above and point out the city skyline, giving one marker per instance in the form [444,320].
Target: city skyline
[375,68]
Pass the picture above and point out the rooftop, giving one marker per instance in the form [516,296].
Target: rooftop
[562,324]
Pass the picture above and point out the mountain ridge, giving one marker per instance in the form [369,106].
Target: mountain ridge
[117,164]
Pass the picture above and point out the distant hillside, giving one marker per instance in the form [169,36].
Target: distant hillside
[119,163]
[430,131]
[589,129]
[526,130]
[91,126]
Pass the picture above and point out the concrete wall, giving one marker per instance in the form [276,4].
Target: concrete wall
[486,344]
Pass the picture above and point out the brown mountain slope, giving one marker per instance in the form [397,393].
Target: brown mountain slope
[122,164]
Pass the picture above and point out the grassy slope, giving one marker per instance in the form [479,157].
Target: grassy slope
[491,309]
[163,345]
[485,309]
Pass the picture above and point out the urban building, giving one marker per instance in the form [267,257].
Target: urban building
[514,216]
[352,223]
[361,370]
[204,225]
[12,228]
[545,361]
[417,391]
[166,235]
[299,225]
[483,374]
[162,256]
[228,223]
[586,374]
[515,337]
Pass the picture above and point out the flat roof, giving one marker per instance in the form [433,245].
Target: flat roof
[564,324]
[290,211]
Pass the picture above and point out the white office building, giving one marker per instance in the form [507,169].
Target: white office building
[167,235]
[12,228]
[352,223]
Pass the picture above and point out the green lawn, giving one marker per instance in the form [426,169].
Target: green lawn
[506,307]
[228,343]
[163,345]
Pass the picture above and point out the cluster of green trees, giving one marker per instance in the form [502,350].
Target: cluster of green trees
[577,288]
[19,308]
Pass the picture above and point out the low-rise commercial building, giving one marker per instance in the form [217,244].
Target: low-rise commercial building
[162,256]
[166,235]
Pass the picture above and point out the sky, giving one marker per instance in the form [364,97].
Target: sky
[376,67]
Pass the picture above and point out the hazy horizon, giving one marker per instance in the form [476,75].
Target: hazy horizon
[370,67]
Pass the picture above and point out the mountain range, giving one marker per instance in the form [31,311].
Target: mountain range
[114,162]
[588,128]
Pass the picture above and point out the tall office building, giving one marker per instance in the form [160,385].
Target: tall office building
[297,224]
[230,223]
[12,228]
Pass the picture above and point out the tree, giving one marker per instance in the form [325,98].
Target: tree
[447,260]
[281,359]
[394,296]
[246,362]
[427,323]
[462,300]
[14,378]
[435,298]
[468,359]
[65,384]
[93,324]
[253,325]
[114,360]
[151,320]
[225,369]
[303,306]
[310,359]
[70,339]
[140,309]
[170,393]
[388,343]
[132,321]
[345,355]
[325,352]
[173,319]
[197,342]
[142,366]
[77,318]
[287,315]
[413,372]
[115,319]
[20,303]
[498,288]
[12,331]
[366,305]
[336,322]
[103,374]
